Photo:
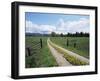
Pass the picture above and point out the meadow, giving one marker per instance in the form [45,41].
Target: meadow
[79,45]
[41,57]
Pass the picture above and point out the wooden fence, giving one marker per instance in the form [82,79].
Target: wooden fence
[71,43]
[33,48]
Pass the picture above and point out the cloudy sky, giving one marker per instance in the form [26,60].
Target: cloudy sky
[59,23]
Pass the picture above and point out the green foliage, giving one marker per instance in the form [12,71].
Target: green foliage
[53,34]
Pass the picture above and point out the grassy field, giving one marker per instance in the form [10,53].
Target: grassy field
[81,47]
[42,57]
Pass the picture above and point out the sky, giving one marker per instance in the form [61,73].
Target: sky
[59,23]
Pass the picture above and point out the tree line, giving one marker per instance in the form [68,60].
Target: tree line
[54,34]
[77,34]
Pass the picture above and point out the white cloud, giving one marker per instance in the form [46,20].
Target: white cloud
[31,27]
[34,28]
[81,25]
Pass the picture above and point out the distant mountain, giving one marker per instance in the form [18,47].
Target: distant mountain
[36,34]
[33,34]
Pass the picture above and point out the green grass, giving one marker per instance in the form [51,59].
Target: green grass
[42,57]
[73,60]
[82,44]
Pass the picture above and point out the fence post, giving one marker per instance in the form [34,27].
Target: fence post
[41,42]
[74,44]
[67,42]
[28,49]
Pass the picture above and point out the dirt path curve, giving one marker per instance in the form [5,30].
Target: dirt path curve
[72,53]
[59,58]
